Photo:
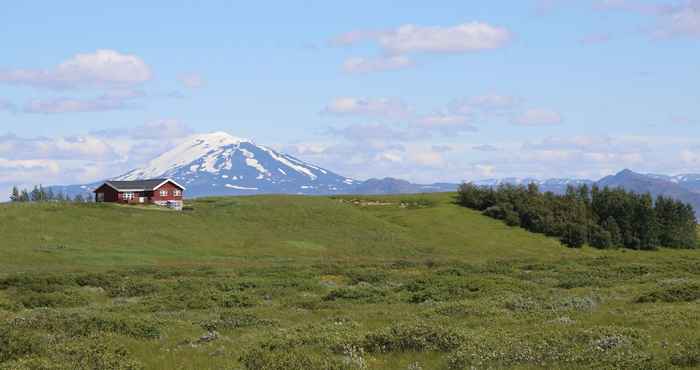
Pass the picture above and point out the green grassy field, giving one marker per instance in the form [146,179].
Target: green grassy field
[284,282]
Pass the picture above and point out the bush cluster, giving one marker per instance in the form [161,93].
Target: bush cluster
[603,218]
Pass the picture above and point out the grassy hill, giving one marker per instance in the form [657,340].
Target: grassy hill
[317,282]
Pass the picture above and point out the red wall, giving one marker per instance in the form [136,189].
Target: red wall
[169,187]
[111,195]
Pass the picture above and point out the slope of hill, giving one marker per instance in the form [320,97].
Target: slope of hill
[277,282]
[218,229]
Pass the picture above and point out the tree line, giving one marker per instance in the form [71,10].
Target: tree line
[42,194]
[602,218]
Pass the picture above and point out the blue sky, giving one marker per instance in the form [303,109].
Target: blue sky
[427,91]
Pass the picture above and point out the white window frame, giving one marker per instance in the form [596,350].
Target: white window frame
[163,193]
[177,193]
[128,196]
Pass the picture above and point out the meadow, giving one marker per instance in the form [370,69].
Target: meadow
[286,282]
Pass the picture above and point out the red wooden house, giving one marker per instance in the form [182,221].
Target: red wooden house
[164,192]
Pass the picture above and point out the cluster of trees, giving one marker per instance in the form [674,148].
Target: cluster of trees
[42,194]
[603,218]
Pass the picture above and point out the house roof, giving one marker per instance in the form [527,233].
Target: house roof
[140,185]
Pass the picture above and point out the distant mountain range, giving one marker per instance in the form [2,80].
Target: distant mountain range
[685,188]
[220,164]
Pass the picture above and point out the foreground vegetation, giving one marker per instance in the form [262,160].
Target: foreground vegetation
[329,283]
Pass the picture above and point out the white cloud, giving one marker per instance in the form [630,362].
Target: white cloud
[489,104]
[486,148]
[6,105]
[409,39]
[537,117]
[446,123]
[596,38]
[467,37]
[429,158]
[367,65]
[68,105]
[484,170]
[192,80]
[354,37]
[679,19]
[103,68]
[368,107]
[23,171]
[372,132]
[73,148]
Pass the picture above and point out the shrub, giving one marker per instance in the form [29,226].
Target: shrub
[235,320]
[130,288]
[258,359]
[37,284]
[600,238]
[575,235]
[687,292]
[54,299]
[95,353]
[15,344]
[362,292]
[82,325]
[412,338]
[686,355]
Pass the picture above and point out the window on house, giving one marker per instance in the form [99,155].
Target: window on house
[128,196]
[177,193]
[163,193]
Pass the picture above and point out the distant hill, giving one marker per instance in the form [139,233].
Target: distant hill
[683,188]
[396,186]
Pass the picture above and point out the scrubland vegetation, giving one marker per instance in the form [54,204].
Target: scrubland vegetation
[399,282]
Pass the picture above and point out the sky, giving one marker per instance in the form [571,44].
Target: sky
[439,91]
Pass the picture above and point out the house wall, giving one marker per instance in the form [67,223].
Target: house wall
[110,195]
[135,200]
[169,187]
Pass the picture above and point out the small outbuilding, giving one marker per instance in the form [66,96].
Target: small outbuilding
[163,192]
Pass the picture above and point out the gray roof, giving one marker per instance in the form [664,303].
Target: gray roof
[139,185]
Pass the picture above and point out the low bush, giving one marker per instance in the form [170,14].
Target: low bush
[83,325]
[236,320]
[128,288]
[686,354]
[15,344]
[362,293]
[37,284]
[258,359]
[599,347]
[31,299]
[686,292]
[412,338]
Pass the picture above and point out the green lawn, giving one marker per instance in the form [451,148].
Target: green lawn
[400,282]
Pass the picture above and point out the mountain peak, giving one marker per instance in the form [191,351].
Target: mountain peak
[217,138]
[626,172]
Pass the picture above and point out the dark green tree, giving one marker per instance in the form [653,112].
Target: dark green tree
[14,196]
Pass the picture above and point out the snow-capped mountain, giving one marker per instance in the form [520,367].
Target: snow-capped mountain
[221,164]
